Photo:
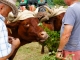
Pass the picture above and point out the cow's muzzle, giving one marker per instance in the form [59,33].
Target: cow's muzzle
[43,35]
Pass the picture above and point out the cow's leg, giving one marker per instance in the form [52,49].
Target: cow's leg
[13,55]
[42,50]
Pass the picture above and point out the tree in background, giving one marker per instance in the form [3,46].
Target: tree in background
[58,2]
[18,0]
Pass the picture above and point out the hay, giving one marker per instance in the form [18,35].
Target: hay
[22,15]
[43,16]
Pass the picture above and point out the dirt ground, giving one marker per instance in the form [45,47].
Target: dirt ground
[31,51]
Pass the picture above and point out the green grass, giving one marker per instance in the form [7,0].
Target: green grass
[31,51]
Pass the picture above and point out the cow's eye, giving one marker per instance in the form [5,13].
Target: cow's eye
[26,25]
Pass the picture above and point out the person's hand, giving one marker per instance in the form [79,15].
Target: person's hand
[15,42]
[10,39]
[59,55]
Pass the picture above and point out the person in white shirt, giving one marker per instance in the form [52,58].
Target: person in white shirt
[6,48]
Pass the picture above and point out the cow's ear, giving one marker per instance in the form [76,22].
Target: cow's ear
[14,24]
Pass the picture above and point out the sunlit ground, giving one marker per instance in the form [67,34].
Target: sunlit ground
[30,51]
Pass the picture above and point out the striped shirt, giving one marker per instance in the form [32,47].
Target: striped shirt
[5,47]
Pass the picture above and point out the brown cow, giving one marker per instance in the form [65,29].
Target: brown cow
[53,20]
[27,31]
[54,23]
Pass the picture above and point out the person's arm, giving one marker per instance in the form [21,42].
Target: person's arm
[65,36]
[15,44]
[64,39]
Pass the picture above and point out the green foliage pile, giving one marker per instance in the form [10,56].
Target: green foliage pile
[52,43]
[53,40]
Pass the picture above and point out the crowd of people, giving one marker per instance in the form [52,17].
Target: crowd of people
[31,4]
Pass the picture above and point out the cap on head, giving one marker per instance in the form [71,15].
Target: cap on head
[11,3]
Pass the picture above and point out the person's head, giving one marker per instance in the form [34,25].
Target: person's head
[69,2]
[7,6]
[4,9]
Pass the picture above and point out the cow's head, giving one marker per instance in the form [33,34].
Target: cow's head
[28,30]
